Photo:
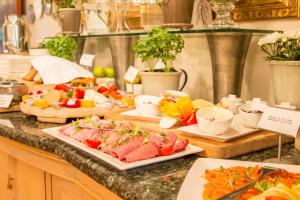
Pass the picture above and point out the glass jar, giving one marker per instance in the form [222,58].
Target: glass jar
[96,16]
[151,14]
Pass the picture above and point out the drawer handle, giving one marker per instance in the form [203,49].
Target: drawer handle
[10,182]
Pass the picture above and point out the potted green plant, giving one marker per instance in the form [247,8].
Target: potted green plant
[69,16]
[164,46]
[64,47]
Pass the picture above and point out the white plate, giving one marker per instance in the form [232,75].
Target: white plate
[236,130]
[135,113]
[193,185]
[190,149]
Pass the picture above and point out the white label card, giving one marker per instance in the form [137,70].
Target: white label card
[281,121]
[131,74]
[5,100]
[87,60]
[6,122]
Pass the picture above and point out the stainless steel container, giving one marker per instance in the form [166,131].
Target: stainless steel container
[228,54]
[14,88]
[14,36]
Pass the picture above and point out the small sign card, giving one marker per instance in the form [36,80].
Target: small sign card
[87,60]
[131,74]
[281,121]
[6,122]
[5,100]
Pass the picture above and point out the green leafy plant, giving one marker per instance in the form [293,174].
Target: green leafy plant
[64,47]
[65,3]
[160,44]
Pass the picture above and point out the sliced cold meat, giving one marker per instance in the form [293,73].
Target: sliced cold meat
[148,150]
[180,146]
[121,151]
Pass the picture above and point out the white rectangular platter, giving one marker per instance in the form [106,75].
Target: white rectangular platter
[237,130]
[190,149]
[193,185]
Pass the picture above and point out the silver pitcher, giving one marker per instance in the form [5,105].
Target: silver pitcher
[14,35]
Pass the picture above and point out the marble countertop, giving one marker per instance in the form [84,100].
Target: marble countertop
[153,182]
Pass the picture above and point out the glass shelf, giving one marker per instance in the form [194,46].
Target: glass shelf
[179,31]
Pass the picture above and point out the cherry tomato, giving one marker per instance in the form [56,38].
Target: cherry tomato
[166,151]
[92,143]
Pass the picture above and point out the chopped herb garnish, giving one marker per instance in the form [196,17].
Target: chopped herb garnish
[263,185]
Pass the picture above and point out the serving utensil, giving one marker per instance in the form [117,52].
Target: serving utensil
[265,171]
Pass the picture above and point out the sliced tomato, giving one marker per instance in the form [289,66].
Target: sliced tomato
[62,87]
[79,93]
[92,143]
[102,89]
[166,151]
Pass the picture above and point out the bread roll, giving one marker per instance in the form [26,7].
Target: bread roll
[30,74]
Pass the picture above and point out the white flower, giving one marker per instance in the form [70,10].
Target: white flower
[270,39]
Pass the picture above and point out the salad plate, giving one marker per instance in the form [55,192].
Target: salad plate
[190,149]
[194,183]
[236,130]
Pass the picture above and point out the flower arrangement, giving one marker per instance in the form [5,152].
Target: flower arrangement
[281,46]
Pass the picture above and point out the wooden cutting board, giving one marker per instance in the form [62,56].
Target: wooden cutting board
[212,149]
[61,115]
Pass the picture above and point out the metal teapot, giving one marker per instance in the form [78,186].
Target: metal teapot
[14,35]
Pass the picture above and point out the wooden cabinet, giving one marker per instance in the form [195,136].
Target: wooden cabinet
[5,193]
[27,173]
[20,181]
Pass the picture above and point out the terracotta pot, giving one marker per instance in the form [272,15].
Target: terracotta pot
[70,20]
[286,81]
[177,11]
[156,82]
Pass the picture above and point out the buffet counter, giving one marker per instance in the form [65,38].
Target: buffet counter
[60,171]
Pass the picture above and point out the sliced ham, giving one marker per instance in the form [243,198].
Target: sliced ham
[121,151]
[157,139]
[146,151]
[180,146]
[171,139]
[113,138]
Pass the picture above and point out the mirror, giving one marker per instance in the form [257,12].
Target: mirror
[266,9]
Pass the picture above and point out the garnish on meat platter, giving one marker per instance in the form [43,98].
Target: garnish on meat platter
[123,140]
[279,185]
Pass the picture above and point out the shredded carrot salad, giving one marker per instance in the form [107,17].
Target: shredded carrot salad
[224,181]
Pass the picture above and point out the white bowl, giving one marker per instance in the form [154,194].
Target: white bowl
[251,119]
[214,120]
[147,105]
